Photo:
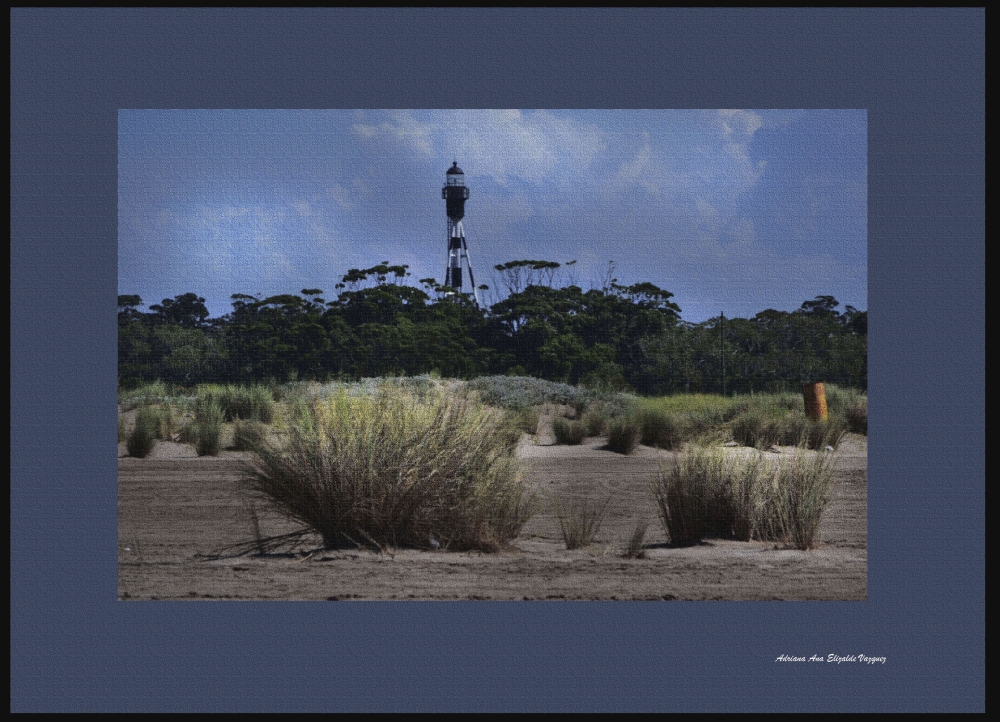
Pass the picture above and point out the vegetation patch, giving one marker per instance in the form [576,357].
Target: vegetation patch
[391,469]
[708,493]
[142,439]
[624,433]
[580,522]
[568,432]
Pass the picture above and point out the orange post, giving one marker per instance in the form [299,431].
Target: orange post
[815,401]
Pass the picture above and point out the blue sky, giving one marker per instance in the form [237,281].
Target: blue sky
[733,211]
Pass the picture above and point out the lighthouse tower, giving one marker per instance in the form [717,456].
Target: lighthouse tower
[455,194]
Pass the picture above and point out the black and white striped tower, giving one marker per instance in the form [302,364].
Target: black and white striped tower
[455,194]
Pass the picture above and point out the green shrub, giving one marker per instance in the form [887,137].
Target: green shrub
[208,428]
[594,420]
[143,437]
[568,432]
[165,422]
[756,428]
[623,434]
[122,430]
[254,403]
[248,435]
[579,522]
[388,470]
[659,429]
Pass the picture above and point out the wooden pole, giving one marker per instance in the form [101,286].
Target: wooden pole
[815,401]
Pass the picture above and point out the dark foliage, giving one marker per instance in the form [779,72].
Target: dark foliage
[619,337]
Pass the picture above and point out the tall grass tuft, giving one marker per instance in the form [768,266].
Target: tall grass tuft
[122,430]
[568,432]
[143,437]
[208,418]
[693,497]
[526,419]
[857,416]
[635,549]
[248,435]
[390,470]
[595,420]
[709,494]
[659,428]
[579,522]
[801,491]
[623,434]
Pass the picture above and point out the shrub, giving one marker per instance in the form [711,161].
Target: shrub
[756,428]
[748,483]
[520,392]
[623,434]
[801,491]
[248,435]
[693,497]
[659,429]
[594,420]
[165,422]
[579,523]
[143,437]
[568,432]
[254,403]
[386,470]
[818,435]
[208,428]
[707,494]
[122,430]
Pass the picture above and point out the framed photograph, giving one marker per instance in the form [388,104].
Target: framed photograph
[717,174]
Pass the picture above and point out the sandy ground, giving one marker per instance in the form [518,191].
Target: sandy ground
[175,508]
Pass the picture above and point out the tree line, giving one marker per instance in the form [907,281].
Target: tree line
[378,323]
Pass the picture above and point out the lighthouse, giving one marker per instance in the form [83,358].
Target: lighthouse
[455,193]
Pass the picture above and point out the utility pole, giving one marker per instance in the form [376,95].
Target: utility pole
[722,348]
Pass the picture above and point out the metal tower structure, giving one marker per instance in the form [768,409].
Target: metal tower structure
[455,194]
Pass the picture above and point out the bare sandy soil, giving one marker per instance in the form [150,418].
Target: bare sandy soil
[176,509]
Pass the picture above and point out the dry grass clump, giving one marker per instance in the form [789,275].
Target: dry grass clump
[623,434]
[248,435]
[526,419]
[391,470]
[659,428]
[635,549]
[800,492]
[857,416]
[579,522]
[568,432]
[764,427]
[692,497]
[711,494]
[142,439]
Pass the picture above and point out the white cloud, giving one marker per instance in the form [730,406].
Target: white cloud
[403,129]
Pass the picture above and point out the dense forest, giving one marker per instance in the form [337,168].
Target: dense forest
[379,324]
